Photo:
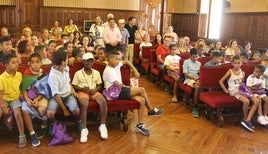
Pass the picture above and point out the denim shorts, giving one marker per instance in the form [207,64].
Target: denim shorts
[13,104]
[69,101]
[33,110]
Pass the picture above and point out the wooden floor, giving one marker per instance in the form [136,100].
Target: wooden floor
[174,132]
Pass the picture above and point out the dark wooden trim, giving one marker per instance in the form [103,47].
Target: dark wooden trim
[246,13]
[78,8]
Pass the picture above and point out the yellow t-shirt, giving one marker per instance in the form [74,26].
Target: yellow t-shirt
[10,85]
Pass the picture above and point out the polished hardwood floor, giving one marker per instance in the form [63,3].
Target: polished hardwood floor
[174,132]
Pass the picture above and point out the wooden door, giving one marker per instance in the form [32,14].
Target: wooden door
[151,15]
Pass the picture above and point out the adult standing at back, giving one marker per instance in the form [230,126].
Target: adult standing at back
[131,27]
[70,28]
[111,35]
[97,31]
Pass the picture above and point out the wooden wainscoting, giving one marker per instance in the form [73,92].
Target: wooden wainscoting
[245,27]
[185,24]
[8,16]
[49,14]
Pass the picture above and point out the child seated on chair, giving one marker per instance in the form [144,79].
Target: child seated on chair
[215,60]
[33,106]
[87,82]
[112,75]
[234,77]
[256,82]
[10,82]
[63,94]
[101,54]
[41,50]
[171,63]
[191,69]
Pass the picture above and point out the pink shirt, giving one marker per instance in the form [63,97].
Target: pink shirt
[111,35]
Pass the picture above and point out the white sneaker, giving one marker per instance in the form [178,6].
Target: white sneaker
[84,134]
[266,118]
[262,120]
[103,132]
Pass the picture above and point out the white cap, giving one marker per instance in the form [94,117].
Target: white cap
[121,21]
[87,56]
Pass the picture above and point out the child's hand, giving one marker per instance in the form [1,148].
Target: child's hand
[6,111]
[66,113]
[29,101]
[74,93]
[92,91]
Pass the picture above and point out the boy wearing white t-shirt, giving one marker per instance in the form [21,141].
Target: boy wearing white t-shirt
[112,75]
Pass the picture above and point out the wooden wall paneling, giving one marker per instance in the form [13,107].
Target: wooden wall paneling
[185,24]
[244,27]
[49,14]
[7,14]
[28,13]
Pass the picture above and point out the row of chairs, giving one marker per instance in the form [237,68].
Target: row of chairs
[210,92]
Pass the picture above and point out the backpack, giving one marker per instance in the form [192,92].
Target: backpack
[60,135]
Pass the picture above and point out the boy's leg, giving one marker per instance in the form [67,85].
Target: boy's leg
[255,103]
[245,106]
[140,91]
[141,108]
[83,107]
[247,117]
[16,106]
[175,87]
[52,109]
[141,126]
[72,104]
[265,106]
[98,97]
[102,106]
[196,93]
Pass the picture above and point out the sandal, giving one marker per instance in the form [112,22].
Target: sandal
[174,99]
[22,141]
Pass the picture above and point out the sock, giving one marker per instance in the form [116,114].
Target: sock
[43,126]
[31,133]
[139,124]
[102,125]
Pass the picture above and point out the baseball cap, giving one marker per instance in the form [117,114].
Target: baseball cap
[87,56]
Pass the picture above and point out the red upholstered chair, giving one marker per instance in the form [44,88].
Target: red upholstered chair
[74,68]
[146,59]
[136,58]
[154,71]
[46,68]
[204,60]
[2,68]
[209,78]
[24,60]
[22,68]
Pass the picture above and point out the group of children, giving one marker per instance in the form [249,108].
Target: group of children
[60,92]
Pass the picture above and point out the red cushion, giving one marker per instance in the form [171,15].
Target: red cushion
[168,79]
[186,88]
[146,65]
[219,99]
[137,60]
[155,71]
[116,105]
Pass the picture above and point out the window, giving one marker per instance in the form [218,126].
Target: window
[210,18]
